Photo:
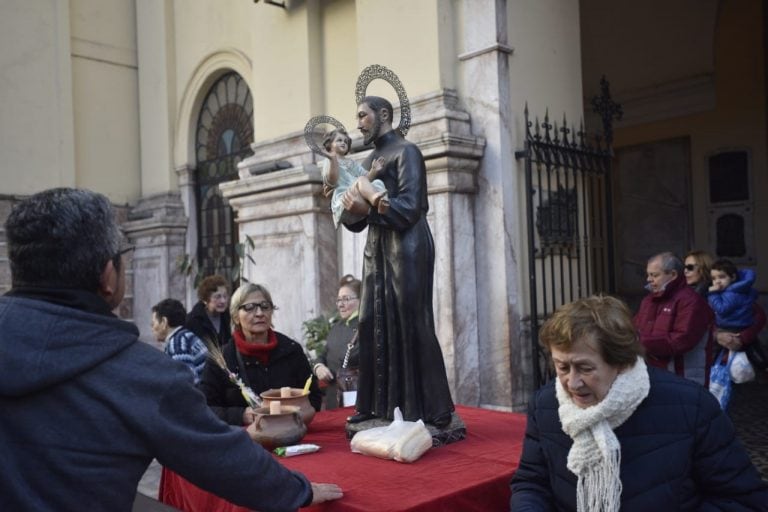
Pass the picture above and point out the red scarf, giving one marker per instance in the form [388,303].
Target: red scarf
[258,350]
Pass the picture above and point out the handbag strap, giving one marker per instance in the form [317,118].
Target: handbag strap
[350,345]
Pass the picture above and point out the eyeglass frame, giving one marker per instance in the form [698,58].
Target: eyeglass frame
[346,299]
[117,257]
[690,267]
[265,306]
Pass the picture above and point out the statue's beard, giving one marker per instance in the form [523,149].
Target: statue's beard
[373,134]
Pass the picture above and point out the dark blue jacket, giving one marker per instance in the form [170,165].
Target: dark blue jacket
[85,406]
[678,453]
[733,306]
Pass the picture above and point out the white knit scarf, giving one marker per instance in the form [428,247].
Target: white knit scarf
[595,457]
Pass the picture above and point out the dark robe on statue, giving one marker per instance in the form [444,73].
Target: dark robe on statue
[401,363]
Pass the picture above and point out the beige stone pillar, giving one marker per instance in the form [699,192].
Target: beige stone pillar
[286,215]
[156,226]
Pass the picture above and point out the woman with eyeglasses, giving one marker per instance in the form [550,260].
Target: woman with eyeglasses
[341,338]
[262,357]
[209,318]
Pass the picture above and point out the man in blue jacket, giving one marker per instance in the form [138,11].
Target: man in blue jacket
[85,405]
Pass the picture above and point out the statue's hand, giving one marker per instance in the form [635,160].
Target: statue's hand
[354,203]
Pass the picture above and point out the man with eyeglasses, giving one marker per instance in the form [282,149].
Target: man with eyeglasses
[85,404]
[673,321]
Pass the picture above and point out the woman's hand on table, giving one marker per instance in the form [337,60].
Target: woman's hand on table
[249,416]
[325,492]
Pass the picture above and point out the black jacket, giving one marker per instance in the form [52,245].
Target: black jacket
[199,323]
[288,366]
[679,452]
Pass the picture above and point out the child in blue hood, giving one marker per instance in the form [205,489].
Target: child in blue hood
[731,296]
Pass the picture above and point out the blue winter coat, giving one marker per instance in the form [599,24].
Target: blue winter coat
[85,406]
[733,306]
[678,453]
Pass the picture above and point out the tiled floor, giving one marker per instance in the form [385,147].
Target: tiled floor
[749,412]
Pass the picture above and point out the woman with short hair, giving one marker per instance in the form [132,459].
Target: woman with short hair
[209,318]
[609,433]
[341,343]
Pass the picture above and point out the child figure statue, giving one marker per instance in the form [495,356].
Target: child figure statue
[341,173]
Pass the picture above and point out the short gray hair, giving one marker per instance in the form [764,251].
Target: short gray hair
[62,237]
[669,262]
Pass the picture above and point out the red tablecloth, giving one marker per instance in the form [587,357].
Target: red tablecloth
[472,474]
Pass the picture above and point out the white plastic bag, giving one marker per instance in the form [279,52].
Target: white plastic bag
[741,368]
[403,441]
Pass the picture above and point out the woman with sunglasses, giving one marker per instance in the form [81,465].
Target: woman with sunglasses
[697,271]
[341,343]
[262,357]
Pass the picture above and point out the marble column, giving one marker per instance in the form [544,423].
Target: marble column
[157,227]
[452,156]
[287,217]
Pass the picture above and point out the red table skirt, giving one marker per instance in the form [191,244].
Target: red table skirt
[469,475]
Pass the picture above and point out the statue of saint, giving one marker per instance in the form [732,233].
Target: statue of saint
[401,363]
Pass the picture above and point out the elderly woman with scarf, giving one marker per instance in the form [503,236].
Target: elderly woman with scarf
[610,433]
[262,357]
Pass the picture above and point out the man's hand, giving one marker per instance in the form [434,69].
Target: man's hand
[325,492]
[354,203]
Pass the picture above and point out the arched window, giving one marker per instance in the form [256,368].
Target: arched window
[223,138]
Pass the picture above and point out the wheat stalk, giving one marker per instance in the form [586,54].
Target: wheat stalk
[217,356]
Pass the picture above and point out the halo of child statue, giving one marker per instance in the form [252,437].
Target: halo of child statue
[401,362]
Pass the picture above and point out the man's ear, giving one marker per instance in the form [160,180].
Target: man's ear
[384,114]
[108,282]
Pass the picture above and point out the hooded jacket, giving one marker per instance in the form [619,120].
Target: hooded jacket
[85,407]
[673,326]
[733,306]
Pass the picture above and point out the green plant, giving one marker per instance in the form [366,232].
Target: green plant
[316,333]
[189,266]
[243,251]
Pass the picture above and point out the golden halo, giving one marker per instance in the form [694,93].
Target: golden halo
[312,124]
[375,71]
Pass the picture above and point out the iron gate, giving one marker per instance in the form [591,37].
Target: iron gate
[569,217]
